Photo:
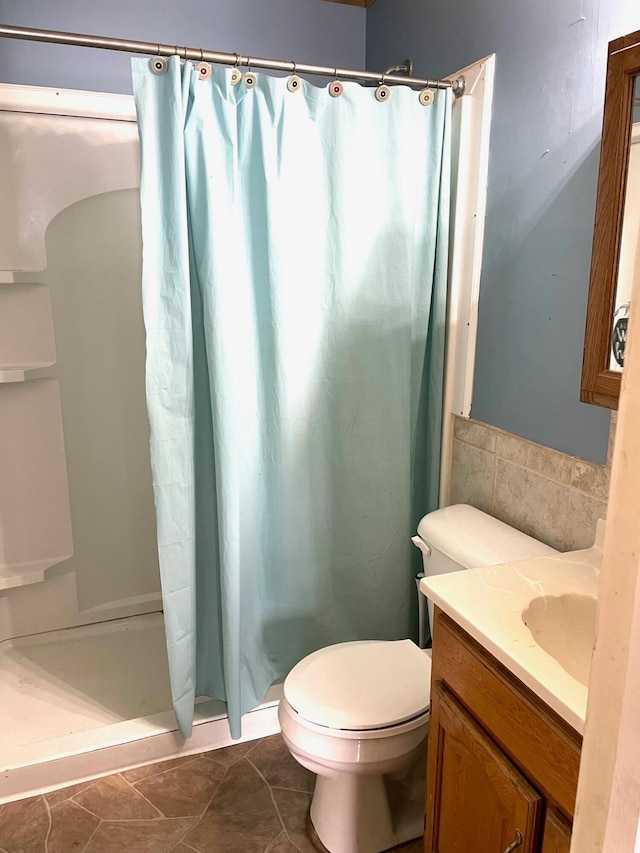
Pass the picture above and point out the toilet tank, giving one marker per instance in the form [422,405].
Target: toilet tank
[462,537]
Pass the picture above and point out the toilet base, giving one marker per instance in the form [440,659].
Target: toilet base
[356,813]
[369,793]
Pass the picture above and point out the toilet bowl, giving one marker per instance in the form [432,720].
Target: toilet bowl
[356,714]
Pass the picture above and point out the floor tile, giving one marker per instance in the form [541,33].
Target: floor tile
[293,807]
[138,836]
[230,754]
[24,826]
[241,818]
[279,768]
[139,773]
[159,809]
[55,797]
[282,845]
[112,799]
[185,790]
[71,828]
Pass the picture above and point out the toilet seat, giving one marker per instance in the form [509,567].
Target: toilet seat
[361,686]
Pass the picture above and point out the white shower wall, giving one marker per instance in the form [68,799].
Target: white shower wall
[69,223]
[84,690]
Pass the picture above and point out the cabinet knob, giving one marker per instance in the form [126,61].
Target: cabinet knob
[514,844]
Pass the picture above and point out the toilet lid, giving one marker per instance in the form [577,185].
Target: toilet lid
[362,685]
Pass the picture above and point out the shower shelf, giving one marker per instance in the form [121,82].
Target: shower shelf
[26,331]
[9,375]
[35,515]
[27,573]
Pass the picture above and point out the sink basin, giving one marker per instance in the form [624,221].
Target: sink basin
[537,617]
[565,627]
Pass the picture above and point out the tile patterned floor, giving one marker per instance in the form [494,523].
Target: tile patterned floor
[248,798]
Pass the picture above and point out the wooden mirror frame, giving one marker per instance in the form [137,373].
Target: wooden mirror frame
[600,385]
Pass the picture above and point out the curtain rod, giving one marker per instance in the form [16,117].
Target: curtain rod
[155,49]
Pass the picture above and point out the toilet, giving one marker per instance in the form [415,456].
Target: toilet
[356,714]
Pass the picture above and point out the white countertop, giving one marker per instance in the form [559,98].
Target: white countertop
[488,603]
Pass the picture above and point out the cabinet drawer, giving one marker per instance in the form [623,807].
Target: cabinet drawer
[540,744]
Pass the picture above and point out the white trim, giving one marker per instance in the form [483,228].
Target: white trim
[471,132]
[608,798]
[122,746]
[66,102]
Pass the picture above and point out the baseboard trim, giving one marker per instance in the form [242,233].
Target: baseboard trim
[49,774]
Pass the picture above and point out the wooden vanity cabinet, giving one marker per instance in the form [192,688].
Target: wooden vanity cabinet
[502,767]
[556,837]
[483,802]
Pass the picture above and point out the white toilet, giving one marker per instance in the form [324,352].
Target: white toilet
[356,714]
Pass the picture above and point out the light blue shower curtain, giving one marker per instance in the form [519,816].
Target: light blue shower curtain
[294,284]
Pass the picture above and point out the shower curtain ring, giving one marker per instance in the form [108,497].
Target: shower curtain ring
[203,68]
[236,75]
[249,78]
[335,87]
[426,97]
[383,92]
[294,82]
[158,64]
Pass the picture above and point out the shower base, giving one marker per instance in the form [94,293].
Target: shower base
[81,702]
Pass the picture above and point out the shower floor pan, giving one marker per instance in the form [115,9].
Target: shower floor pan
[81,702]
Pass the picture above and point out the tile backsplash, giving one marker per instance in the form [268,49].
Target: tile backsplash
[552,496]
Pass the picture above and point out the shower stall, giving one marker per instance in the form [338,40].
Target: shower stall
[83,663]
[84,685]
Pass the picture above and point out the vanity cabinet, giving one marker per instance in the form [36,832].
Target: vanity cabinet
[484,803]
[556,837]
[502,767]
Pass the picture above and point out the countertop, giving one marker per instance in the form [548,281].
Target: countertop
[488,603]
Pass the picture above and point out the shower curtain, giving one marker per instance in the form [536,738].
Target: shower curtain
[294,286]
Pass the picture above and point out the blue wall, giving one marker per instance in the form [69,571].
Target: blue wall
[551,61]
[302,30]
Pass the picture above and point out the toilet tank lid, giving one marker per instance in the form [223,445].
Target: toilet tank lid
[472,538]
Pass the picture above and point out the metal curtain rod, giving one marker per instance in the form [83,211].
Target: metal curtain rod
[154,49]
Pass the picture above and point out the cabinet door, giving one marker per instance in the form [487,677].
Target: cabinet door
[557,834]
[476,799]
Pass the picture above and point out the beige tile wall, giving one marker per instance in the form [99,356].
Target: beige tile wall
[555,497]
